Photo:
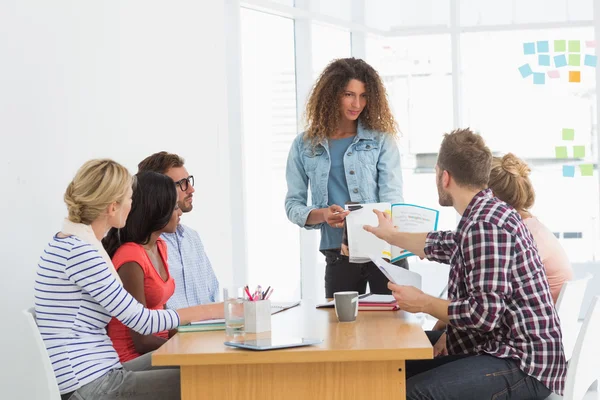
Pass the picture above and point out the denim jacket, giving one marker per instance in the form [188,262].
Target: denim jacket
[373,174]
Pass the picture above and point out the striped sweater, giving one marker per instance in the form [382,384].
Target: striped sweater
[75,298]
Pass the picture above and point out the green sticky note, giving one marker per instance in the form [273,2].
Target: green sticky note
[561,151]
[586,169]
[579,151]
[574,46]
[575,60]
[560,45]
[568,134]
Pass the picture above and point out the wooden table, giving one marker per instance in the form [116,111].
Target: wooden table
[357,360]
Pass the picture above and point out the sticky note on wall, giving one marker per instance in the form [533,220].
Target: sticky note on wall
[539,78]
[553,74]
[568,134]
[560,45]
[590,60]
[525,70]
[560,61]
[586,169]
[544,60]
[574,76]
[561,151]
[529,48]
[568,171]
[574,46]
[543,47]
[574,60]
[579,151]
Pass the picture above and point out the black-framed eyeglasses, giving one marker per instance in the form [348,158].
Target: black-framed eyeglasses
[184,183]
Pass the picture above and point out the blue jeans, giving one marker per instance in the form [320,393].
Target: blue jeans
[463,377]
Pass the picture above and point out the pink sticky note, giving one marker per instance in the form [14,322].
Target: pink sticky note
[590,43]
[553,74]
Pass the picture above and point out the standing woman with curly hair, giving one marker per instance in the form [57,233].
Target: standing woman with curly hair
[348,153]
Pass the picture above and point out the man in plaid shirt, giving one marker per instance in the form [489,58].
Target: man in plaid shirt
[503,337]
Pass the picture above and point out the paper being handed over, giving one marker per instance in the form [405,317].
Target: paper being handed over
[397,275]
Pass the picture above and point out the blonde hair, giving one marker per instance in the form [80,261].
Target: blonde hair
[509,180]
[97,184]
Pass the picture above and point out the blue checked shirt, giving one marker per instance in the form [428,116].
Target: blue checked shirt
[195,280]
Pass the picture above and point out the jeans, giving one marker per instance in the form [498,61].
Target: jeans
[342,275]
[467,377]
[138,379]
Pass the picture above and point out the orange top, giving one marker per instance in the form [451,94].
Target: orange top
[156,290]
[556,263]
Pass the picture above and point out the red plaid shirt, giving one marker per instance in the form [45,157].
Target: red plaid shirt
[500,302]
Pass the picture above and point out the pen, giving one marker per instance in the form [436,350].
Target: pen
[248,293]
[269,294]
[265,293]
[257,293]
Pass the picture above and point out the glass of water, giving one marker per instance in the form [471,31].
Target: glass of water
[233,298]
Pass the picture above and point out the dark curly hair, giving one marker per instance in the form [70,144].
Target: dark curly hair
[323,106]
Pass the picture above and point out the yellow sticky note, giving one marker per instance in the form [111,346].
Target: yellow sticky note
[579,151]
[561,152]
[586,169]
[574,76]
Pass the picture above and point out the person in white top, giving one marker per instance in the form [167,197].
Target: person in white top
[77,291]
[509,181]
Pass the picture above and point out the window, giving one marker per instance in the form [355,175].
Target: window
[328,43]
[269,121]
[493,12]
[394,14]
[515,115]
[418,79]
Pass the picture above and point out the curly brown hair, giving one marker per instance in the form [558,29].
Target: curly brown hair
[323,106]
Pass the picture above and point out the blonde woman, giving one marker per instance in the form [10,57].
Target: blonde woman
[77,291]
[347,154]
[509,181]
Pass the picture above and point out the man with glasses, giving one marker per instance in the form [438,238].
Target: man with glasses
[195,280]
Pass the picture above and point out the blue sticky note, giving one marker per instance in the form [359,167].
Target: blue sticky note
[529,48]
[590,60]
[525,70]
[544,60]
[543,47]
[569,171]
[539,78]
[560,61]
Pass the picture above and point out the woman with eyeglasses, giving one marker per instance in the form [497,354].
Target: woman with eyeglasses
[346,155]
[140,257]
[78,291]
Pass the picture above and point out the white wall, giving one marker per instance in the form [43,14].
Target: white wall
[84,79]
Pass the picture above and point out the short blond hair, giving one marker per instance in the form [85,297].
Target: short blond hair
[509,180]
[97,184]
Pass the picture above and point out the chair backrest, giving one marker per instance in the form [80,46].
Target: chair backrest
[584,367]
[41,356]
[568,307]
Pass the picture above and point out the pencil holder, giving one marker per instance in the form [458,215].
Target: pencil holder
[257,316]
